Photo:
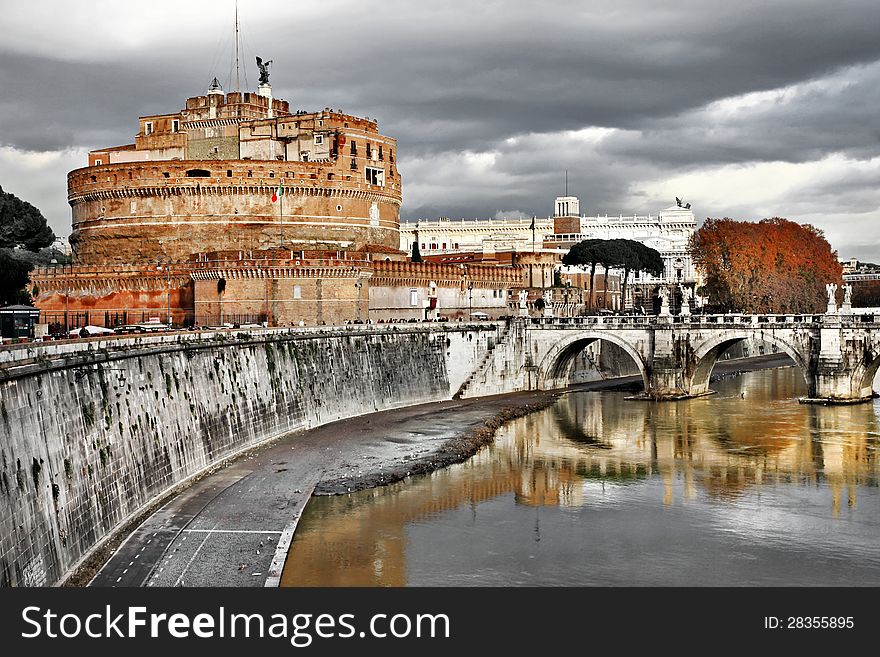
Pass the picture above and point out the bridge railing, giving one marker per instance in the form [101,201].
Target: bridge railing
[729,319]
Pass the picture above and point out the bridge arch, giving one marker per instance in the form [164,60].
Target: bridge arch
[863,376]
[554,370]
[706,356]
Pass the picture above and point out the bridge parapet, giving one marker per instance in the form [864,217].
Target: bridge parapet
[697,320]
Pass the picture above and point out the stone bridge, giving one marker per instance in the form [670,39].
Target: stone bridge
[838,354]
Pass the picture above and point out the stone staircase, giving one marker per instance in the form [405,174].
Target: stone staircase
[499,338]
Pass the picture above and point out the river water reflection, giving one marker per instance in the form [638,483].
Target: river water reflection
[746,487]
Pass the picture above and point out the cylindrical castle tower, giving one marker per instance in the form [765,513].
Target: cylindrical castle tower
[204,179]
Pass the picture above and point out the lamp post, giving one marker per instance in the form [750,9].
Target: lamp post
[358,284]
[167,268]
[470,300]
[54,264]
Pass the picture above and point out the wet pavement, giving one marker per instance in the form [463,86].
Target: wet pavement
[233,527]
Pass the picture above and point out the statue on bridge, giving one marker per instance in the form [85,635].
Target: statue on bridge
[523,302]
[663,293]
[831,289]
[686,294]
[548,303]
[846,306]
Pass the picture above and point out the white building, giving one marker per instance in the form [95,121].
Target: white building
[443,235]
[668,232]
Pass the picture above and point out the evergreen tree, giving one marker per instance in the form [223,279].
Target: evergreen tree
[23,236]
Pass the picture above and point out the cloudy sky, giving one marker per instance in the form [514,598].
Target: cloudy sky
[745,109]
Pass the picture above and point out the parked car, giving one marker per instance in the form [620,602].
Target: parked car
[129,328]
[90,331]
[152,327]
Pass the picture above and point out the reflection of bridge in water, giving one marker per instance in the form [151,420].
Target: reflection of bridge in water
[838,354]
[571,453]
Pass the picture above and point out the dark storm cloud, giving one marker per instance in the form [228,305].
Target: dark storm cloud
[53,104]
[496,74]
[456,77]
[836,117]
[476,73]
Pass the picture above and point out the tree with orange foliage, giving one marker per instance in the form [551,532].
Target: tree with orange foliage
[772,266]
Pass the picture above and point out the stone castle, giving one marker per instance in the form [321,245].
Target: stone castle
[203,178]
[236,209]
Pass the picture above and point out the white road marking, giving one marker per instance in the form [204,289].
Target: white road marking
[193,557]
[233,531]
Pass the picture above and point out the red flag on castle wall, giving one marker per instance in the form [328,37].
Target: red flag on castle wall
[278,192]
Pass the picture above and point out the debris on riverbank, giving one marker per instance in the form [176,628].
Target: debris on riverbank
[455,450]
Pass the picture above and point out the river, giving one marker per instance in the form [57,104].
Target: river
[746,487]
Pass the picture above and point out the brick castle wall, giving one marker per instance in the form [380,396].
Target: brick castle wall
[138,212]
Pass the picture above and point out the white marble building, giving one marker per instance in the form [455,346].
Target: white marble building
[668,232]
[443,235]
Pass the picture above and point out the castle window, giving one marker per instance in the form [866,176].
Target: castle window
[196,173]
[94,178]
[414,297]
[304,156]
[229,173]
[271,174]
[319,139]
[297,292]
[354,164]
[380,152]
[444,246]
[98,163]
[148,128]
[455,246]
[339,208]
[369,151]
[175,125]
[165,174]
[375,176]
[250,174]
[390,155]
[354,148]
[329,176]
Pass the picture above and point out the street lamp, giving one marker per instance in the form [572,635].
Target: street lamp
[54,264]
[358,284]
[168,275]
[470,300]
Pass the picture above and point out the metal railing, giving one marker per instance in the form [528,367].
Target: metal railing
[732,319]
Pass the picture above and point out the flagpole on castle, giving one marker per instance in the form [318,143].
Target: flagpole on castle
[278,195]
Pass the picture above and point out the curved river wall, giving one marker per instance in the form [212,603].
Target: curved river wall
[93,433]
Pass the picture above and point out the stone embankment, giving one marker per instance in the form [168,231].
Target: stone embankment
[95,433]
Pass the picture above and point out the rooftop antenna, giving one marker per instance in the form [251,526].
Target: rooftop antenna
[237,66]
